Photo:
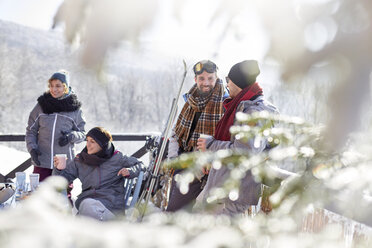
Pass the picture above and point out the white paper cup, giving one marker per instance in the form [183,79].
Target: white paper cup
[204,136]
[62,161]
[21,180]
[34,181]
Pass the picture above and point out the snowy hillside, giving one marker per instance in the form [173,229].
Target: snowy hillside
[136,86]
[133,96]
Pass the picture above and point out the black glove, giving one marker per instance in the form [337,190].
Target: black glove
[35,153]
[65,138]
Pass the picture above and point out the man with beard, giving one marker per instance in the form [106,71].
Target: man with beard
[200,115]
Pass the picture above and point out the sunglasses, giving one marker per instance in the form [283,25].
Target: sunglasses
[205,65]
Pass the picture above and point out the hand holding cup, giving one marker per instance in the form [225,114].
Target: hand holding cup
[201,145]
[60,161]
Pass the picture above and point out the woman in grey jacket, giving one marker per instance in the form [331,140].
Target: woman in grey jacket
[247,97]
[101,171]
[55,124]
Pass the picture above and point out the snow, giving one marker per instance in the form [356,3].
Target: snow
[10,158]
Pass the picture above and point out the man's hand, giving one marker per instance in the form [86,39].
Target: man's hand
[201,145]
[205,170]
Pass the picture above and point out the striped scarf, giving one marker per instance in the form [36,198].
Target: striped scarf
[211,112]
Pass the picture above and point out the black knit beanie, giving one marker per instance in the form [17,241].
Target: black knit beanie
[102,140]
[61,76]
[244,74]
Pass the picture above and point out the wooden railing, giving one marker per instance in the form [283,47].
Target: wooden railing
[26,164]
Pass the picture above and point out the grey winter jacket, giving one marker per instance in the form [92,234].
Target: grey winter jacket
[44,130]
[101,182]
[249,189]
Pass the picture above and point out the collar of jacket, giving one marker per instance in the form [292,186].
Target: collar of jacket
[98,158]
[50,105]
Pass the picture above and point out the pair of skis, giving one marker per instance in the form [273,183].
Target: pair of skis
[159,150]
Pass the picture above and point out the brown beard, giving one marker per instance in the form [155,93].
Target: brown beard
[204,94]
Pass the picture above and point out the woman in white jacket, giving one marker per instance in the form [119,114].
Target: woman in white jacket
[55,124]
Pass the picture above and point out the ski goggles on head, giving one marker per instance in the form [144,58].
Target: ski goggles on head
[205,65]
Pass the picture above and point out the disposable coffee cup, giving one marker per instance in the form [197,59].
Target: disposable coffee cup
[62,161]
[21,180]
[204,136]
[34,181]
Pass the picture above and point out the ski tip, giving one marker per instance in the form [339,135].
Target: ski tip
[185,69]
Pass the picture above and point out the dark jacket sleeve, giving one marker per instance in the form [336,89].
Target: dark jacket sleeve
[133,165]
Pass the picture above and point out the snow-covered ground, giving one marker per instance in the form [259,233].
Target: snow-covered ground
[10,158]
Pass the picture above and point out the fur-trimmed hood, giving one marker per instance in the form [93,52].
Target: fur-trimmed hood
[50,105]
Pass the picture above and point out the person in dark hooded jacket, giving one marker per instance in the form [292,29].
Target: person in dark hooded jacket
[101,170]
[55,124]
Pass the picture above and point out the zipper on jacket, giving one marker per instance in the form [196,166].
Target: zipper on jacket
[99,174]
[70,150]
[52,143]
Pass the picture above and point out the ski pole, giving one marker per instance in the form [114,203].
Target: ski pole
[165,138]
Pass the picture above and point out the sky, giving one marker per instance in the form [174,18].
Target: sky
[198,37]
[168,35]
[32,13]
